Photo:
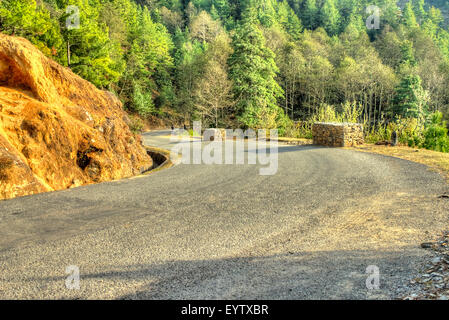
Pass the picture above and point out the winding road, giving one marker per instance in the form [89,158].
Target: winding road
[226,232]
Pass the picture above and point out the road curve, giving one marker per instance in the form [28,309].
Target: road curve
[226,232]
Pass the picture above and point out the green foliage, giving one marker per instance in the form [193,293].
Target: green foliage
[411,100]
[116,46]
[136,124]
[142,102]
[148,60]
[287,18]
[288,60]
[310,14]
[409,17]
[409,130]
[330,17]
[418,9]
[26,19]
[90,46]
[435,135]
[253,70]
[346,113]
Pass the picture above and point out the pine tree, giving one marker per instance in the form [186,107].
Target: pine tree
[148,64]
[27,19]
[214,13]
[408,56]
[310,15]
[222,7]
[289,20]
[409,16]
[253,70]
[411,99]
[420,12]
[432,23]
[330,17]
[89,48]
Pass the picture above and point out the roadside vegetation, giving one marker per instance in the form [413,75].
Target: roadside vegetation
[436,160]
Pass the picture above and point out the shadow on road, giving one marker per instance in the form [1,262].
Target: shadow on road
[294,275]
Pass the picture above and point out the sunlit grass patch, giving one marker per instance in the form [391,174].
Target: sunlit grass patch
[436,160]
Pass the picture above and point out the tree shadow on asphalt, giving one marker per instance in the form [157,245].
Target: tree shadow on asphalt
[288,149]
[293,275]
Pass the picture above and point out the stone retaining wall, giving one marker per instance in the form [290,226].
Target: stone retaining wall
[338,134]
[213,134]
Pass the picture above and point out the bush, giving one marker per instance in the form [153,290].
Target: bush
[284,124]
[349,112]
[380,132]
[435,135]
[136,124]
[409,130]
[142,102]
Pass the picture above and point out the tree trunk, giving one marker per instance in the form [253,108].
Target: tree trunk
[68,53]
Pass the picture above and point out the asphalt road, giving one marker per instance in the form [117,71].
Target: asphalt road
[226,232]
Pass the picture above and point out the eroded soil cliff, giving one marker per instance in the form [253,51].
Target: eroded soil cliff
[57,130]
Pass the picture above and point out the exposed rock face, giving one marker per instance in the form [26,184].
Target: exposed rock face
[338,134]
[57,130]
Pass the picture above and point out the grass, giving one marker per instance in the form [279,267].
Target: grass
[436,160]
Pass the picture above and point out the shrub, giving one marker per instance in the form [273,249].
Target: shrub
[193,133]
[409,130]
[380,132]
[348,112]
[435,135]
[284,124]
[142,102]
[136,124]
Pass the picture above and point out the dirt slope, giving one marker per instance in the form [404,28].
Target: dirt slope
[57,130]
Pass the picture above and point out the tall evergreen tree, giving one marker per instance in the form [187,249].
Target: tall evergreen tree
[411,99]
[330,17]
[409,17]
[253,70]
[420,12]
[26,18]
[89,48]
[310,14]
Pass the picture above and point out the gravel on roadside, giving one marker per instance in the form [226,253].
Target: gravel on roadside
[433,281]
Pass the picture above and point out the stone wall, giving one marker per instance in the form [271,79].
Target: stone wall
[338,134]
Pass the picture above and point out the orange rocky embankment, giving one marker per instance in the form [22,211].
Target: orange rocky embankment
[57,130]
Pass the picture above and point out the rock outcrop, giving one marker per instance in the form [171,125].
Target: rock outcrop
[57,130]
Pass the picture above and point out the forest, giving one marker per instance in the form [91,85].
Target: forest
[257,64]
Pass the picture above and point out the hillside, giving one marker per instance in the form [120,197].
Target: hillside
[442,5]
[57,130]
[256,63]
